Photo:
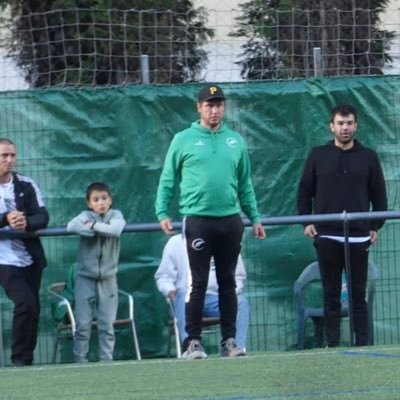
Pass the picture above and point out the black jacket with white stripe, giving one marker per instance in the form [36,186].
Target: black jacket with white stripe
[28,199]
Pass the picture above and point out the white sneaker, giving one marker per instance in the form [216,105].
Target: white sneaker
[195,351]
[229,348]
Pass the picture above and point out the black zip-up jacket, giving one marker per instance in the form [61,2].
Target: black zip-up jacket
[336,180]
[27,201]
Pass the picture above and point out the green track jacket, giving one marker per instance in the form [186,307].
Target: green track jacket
[213,172]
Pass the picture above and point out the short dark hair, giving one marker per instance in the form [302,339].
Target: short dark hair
[99,186]
[6,141]
[344,110]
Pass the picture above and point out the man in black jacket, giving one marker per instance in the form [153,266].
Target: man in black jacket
[343,175]
[21,259]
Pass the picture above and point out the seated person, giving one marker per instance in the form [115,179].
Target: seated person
[172,281]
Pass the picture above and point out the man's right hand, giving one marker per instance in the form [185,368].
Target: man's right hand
[17,220]
[310,231]
[166,226]
[172,295]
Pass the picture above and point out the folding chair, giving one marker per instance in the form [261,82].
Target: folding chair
[66,329]
[208,325]
[311,273]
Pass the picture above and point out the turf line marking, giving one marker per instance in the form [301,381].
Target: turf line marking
[307,395]
[370,354]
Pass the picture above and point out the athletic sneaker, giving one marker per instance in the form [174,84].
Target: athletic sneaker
[81,360]
[229,348]
[195,351]
[21,363]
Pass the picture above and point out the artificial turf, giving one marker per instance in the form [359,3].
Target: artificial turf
[365,373]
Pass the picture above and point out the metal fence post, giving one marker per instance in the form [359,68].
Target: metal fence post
[347,264]
[317,53]
[144,67]
[1,340]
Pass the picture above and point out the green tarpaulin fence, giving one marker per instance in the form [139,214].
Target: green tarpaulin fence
[69,138]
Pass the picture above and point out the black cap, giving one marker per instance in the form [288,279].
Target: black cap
[210,92]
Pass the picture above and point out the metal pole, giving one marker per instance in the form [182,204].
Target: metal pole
[347,264]
[2,361]
[317,53]
[144,66]
[155,226]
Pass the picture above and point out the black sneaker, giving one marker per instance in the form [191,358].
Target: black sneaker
[20,363]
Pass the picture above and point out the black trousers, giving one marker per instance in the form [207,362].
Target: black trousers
[22,287]
[332,263]
[220,238]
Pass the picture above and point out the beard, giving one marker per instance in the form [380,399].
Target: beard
[345,139]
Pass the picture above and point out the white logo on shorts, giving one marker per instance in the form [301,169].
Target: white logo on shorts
[198,244]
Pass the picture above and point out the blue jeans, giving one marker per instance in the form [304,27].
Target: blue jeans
[211,309]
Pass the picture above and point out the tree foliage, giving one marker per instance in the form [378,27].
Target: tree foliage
[99,42]
[281,35]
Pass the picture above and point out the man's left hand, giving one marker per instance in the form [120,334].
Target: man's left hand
[258,231]
[374,236]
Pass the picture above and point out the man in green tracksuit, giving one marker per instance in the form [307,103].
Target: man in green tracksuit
[211,165]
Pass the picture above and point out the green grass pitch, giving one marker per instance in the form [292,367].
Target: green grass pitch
[344,373]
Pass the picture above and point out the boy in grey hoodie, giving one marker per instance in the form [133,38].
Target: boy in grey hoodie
[99,228]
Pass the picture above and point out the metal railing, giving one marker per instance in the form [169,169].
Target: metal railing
[284,220]
[344,217]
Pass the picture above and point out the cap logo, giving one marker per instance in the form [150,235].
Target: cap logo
[213,90]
